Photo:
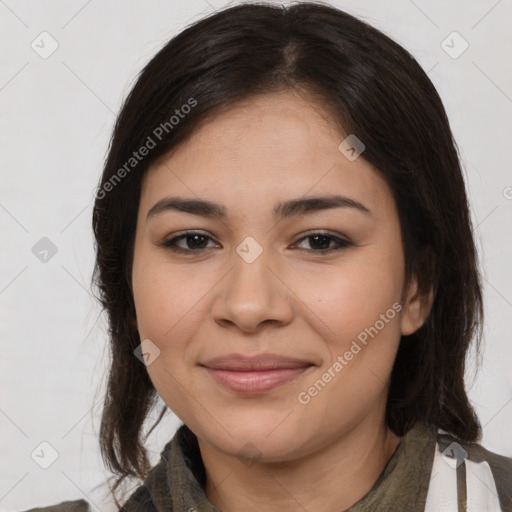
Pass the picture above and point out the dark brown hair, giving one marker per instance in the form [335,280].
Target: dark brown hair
[372,88]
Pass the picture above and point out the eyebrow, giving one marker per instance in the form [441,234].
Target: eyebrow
[290,208]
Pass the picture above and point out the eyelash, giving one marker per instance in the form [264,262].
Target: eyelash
[171,243]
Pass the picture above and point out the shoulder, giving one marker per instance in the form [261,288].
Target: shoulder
[483,469]
[64,506]
[501,468]
[152,495]
[140,501]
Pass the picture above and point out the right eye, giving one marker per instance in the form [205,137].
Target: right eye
[191,242]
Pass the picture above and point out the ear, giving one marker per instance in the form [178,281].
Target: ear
[416,307]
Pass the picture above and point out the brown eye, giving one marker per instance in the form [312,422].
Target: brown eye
[189,242]
[321,242]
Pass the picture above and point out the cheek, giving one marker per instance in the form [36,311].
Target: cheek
[360,306]
[168,312]
[163,296]
[359,302]
[355,294]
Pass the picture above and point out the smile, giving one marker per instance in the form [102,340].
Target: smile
[255,381]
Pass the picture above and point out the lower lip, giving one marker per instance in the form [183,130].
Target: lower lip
[255,381]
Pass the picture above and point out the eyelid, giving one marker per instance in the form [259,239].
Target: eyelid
[189,232]
[166,242]
[324,232]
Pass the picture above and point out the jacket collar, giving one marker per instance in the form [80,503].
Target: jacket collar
[177,483]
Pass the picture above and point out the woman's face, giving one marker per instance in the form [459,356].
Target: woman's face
[315,290]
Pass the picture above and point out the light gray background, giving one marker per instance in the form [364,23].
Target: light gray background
[56,118]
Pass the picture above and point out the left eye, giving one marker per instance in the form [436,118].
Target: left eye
[321,242]
[196,242]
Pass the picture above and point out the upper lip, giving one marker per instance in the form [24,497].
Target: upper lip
[239,362]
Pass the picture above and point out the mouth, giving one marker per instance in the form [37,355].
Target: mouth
[256,374]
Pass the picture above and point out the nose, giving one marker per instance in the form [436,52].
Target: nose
[253,295]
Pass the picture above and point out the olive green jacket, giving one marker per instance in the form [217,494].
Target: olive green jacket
[429,471]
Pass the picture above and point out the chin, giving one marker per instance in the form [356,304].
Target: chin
[266,441]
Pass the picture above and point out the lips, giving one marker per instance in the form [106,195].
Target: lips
[254,374]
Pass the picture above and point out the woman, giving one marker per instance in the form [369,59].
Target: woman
[284,250]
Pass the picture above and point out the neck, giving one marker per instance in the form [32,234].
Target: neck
[331,479]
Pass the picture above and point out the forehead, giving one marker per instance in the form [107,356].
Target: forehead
[267,147]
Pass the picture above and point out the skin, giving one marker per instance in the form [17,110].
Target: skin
[269,451]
